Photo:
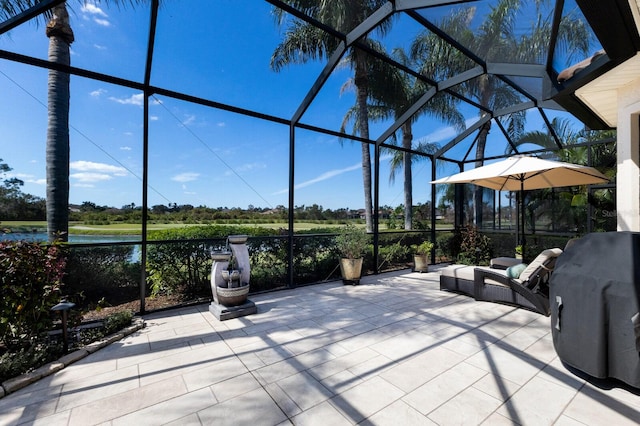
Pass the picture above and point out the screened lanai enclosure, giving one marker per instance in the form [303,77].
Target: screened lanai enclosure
[285,120]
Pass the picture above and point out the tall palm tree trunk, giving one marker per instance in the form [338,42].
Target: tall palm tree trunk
[361,82]
[407,138]
[57,158]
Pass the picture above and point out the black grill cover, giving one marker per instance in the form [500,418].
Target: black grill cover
[595,298]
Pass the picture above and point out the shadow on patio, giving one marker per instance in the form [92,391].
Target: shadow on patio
[394,350]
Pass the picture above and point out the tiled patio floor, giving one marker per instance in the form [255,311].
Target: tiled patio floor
[395,350]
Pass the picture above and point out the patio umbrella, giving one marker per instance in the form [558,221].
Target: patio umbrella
[520,173]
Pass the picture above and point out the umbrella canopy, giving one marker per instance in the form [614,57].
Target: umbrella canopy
[524,173]
[520,173]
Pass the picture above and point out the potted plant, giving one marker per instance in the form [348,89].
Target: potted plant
[518,252]
[421,253]
[352,243]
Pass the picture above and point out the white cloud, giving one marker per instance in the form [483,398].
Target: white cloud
[99,168]
[137,99]
[27,178]
[125,148]
[83,185]
[186,177]
[448,133]
[222,124]
[21,176]
[153,118]
[189,120]
[324,176]
[100,47]
[92,9]
[90,177]
[246,168]
[97,93]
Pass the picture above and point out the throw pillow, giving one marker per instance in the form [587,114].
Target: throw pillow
[515,270]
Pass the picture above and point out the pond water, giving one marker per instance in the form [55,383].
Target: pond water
[85,239]
[78,239]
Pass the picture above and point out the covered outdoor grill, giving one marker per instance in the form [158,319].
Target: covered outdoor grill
[595,299]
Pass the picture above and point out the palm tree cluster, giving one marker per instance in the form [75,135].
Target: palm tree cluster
[386,92]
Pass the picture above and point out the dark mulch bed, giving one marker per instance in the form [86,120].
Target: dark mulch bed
[151,304]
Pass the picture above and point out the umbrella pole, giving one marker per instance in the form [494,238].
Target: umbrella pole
[517,218]
[522,213]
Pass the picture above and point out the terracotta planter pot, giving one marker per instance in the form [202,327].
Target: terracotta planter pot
[351,270]
[421,263]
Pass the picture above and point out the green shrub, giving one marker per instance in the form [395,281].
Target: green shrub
[396,253]
[107,274]
[23,360]
[117,322]
[352,241]
[446,248]
[42,350]
[475,247]
[424,248]
[184,267]
[112,324]
[315,258]
[30,274]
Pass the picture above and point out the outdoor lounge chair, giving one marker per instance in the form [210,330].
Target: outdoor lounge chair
[529,290]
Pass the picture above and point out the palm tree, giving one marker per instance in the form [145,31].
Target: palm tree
[392,91]
[60,38]
[304,42]
[495,40]
[60,35]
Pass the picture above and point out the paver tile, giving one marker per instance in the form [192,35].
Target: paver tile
[418,370]
[398,413]
[365,399]
[255,407]
[443,387]
[322,414]
[168,411]
[469,407]
[109,408]
[591,406]
[304,390]
[393,350]
[524,405]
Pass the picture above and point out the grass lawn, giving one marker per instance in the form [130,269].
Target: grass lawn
[79,228]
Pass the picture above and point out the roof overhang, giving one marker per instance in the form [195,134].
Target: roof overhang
[592,94]
[601,94]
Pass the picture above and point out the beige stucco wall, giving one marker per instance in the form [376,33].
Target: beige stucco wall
[628,177]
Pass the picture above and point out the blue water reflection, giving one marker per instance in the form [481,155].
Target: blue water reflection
[84,239]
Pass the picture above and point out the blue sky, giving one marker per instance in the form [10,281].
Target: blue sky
[218,50]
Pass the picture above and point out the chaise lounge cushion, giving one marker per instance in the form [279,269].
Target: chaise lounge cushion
[539,267]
